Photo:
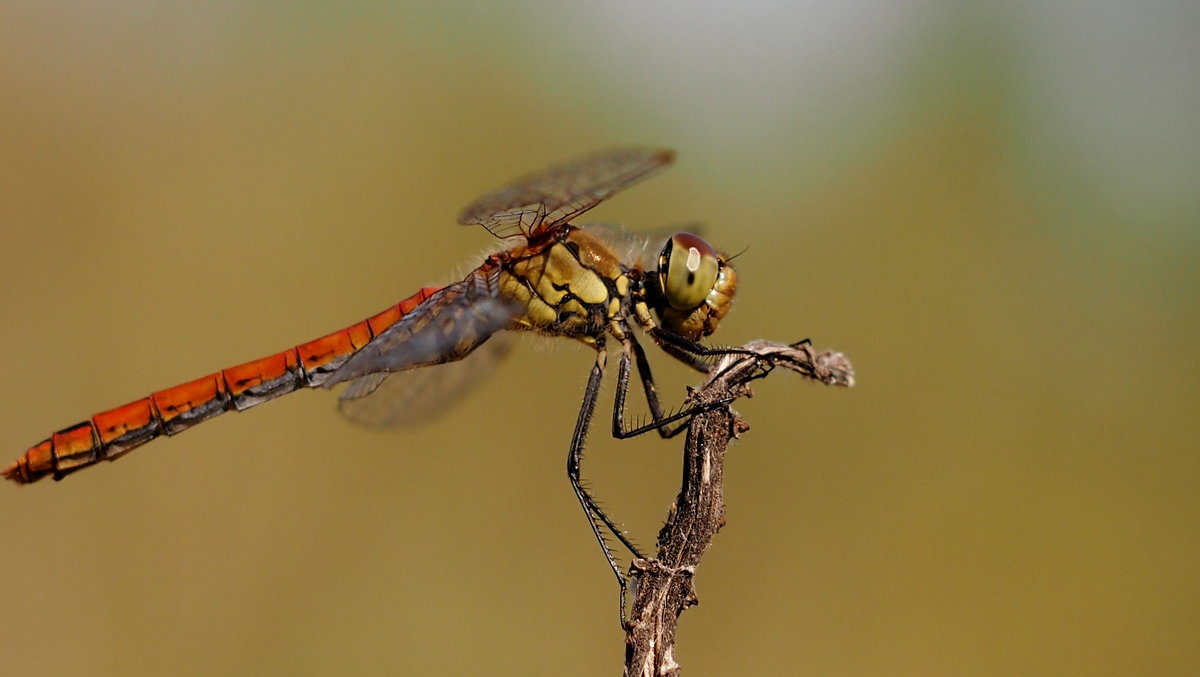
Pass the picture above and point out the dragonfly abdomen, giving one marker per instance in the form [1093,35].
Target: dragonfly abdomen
[111,434]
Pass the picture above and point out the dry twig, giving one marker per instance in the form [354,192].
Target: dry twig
[664,587]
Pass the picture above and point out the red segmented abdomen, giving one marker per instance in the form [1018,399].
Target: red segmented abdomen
[113,433]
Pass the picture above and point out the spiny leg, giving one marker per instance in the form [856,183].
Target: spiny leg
[596,516]
[659,420]
[691,353]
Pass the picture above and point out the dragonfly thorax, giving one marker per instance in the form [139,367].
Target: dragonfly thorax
[573,286]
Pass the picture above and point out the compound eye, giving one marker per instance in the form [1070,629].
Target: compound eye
[687,270]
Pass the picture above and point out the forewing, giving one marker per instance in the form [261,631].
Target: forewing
[417,395]
[558,194]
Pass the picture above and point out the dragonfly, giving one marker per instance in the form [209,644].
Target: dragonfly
[555,279]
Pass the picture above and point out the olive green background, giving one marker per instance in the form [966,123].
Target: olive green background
[992,212]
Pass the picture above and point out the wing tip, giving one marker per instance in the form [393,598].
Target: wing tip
[664,156]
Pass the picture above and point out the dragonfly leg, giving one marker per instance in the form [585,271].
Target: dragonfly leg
[660,422]
[692,353]
[596,517]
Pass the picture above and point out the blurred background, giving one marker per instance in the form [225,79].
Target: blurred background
[992,210]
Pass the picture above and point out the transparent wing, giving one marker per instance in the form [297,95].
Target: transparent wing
[641,247]
[446,327]
[556,195]
[631,248]
[403,398]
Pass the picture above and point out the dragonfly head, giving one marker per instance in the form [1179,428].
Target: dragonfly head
[697,285]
